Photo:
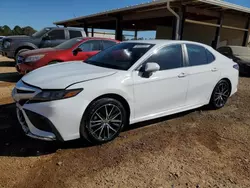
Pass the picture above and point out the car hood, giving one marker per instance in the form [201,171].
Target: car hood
[17,37]
[38,51]
[246,59]
[61,75]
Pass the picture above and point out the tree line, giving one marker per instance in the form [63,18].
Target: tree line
[17,30]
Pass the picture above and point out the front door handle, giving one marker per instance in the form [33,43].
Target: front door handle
[214,69]
[182,75]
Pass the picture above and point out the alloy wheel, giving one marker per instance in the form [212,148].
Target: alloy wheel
[221,94]
[105,122]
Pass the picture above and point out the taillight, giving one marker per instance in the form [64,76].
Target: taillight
[236,66]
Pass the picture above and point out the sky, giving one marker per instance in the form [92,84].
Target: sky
[42,13]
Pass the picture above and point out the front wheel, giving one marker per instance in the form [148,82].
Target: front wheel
[220,94]
[103,120]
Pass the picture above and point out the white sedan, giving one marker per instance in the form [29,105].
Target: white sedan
[128,83]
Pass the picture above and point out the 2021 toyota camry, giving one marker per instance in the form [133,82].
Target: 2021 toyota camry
[127,83]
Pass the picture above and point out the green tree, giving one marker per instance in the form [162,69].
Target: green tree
[5,31]
[28,31]
[17,30]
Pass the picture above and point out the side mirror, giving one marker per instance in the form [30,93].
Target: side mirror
[76,51]
[149,68]
[152,67]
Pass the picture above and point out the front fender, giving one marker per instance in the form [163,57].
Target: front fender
[26,44]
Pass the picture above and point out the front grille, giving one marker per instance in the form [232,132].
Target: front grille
[24,91]
[23,101]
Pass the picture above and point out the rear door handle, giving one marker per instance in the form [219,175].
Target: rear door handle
[214,69]
[182,75]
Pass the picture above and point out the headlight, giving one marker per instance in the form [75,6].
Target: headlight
[34,58]
[45,96]
[6,44]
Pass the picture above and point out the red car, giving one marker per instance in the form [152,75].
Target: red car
[71,50]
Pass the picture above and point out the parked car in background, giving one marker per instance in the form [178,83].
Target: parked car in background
[1,39]
[12,46]
[73,49]
[238,54]
[127,83]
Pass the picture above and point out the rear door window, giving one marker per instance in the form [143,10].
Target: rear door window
[197,55]
[56,34]
[74,34]
[91,45]
[210,57]
[108,43]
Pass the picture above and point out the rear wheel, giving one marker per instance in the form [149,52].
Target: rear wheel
[103,120]
[220,94]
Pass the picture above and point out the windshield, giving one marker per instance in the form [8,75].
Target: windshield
[69,43]
[121,56]
[40,33]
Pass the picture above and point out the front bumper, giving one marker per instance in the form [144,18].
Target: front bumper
[24,68]
[31,130]
[53,120]
[8,53]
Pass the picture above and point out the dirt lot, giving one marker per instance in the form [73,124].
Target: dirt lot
[200,148]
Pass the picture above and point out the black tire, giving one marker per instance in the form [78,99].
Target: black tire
[220,94]
[18,53]
[96,127]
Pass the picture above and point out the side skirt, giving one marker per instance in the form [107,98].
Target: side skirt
[166,113]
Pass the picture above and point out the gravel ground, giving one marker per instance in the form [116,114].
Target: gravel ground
[199,148]
[8,77]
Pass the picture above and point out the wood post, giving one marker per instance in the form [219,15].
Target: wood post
[246,33]
[218,31]
[118,30]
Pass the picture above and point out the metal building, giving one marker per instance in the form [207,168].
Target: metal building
[212,22]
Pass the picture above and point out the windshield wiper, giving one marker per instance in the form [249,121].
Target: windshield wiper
[105,65]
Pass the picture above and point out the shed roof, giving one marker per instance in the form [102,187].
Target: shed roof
[215,5]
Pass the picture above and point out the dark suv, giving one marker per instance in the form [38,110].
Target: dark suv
[12,46]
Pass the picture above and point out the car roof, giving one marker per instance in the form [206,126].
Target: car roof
[166,42]
[235,47]
[240,47]
[70,28]
[240,50]
[96,38]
